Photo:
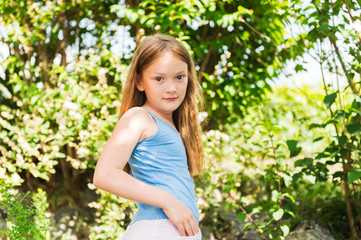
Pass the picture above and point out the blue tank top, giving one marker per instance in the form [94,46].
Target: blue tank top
[161,161]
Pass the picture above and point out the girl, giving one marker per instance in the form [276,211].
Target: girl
[157,139]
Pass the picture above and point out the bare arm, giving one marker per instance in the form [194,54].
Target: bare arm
[109,174]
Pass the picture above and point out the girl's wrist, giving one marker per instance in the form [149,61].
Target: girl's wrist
[166,200]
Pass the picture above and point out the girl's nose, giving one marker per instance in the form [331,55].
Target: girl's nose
[171,87]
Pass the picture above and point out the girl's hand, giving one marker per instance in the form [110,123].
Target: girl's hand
[182,217]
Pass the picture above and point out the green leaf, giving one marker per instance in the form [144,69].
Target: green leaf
[292,146]
[296,176]
[274,196]
[315,125]
[330,122]
[330,162]
[330,99]
[310,178]
[17,87]
[338,174]
[304,162]
[278,214]
[299,68]
[241,216]
[288,180]
[340,114]
[246,226]
[33,39]
[281,161]
[285,229]
[281,143]
[321,155]
[354,129]
[290,197]
[243,10]
[342,140]
[323,27]
[270,70]
[354,175]
[317,139]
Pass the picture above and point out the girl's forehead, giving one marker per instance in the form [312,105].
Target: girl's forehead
[167,54]
[167,59]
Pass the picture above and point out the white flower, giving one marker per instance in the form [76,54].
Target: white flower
[104,110]
[83,134]
[91,51]
[2,173]
[77,116]
[83,151]
[94,121]
[74,114]
[117,103]
[19,159]
[94,205]
[83,165]
[91,186]
[202,116]
[71,223]
[5,115]
[356,25]
[102,75]
[16,179]
[75,164]
[70,105]
[55,148]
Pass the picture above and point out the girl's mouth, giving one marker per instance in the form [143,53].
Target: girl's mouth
[170,98]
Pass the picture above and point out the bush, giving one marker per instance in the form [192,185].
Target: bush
[26,218]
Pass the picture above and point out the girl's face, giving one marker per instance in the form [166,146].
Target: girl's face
[165,83]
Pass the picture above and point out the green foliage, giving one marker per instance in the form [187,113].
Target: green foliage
[335,25]
[60,90]
[212,30]
[25,220]
[113,216]
[324,203]
[261,180]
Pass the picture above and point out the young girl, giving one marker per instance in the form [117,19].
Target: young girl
[157,138]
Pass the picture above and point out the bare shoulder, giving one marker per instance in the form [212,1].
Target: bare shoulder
[138,118]
[136,115]
[135,112]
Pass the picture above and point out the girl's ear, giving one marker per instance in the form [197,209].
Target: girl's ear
[139,83]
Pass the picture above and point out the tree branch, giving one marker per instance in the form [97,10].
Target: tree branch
[254,30]
[349,79]
[252,222]
[351,17]
[346,169]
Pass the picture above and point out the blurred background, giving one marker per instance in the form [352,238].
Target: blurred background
[281,121]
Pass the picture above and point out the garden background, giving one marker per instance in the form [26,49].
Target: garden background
[276,154]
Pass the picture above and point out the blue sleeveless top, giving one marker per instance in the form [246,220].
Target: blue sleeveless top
[161,161]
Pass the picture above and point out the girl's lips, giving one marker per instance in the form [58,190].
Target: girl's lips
[170,98]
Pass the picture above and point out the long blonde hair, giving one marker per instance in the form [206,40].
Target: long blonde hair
[185,117]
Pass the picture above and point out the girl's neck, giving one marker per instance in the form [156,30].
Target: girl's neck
[166,117]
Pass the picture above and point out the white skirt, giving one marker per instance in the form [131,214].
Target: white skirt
[160,229]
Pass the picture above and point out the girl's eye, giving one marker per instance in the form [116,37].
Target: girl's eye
[180,77]
[158,79]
